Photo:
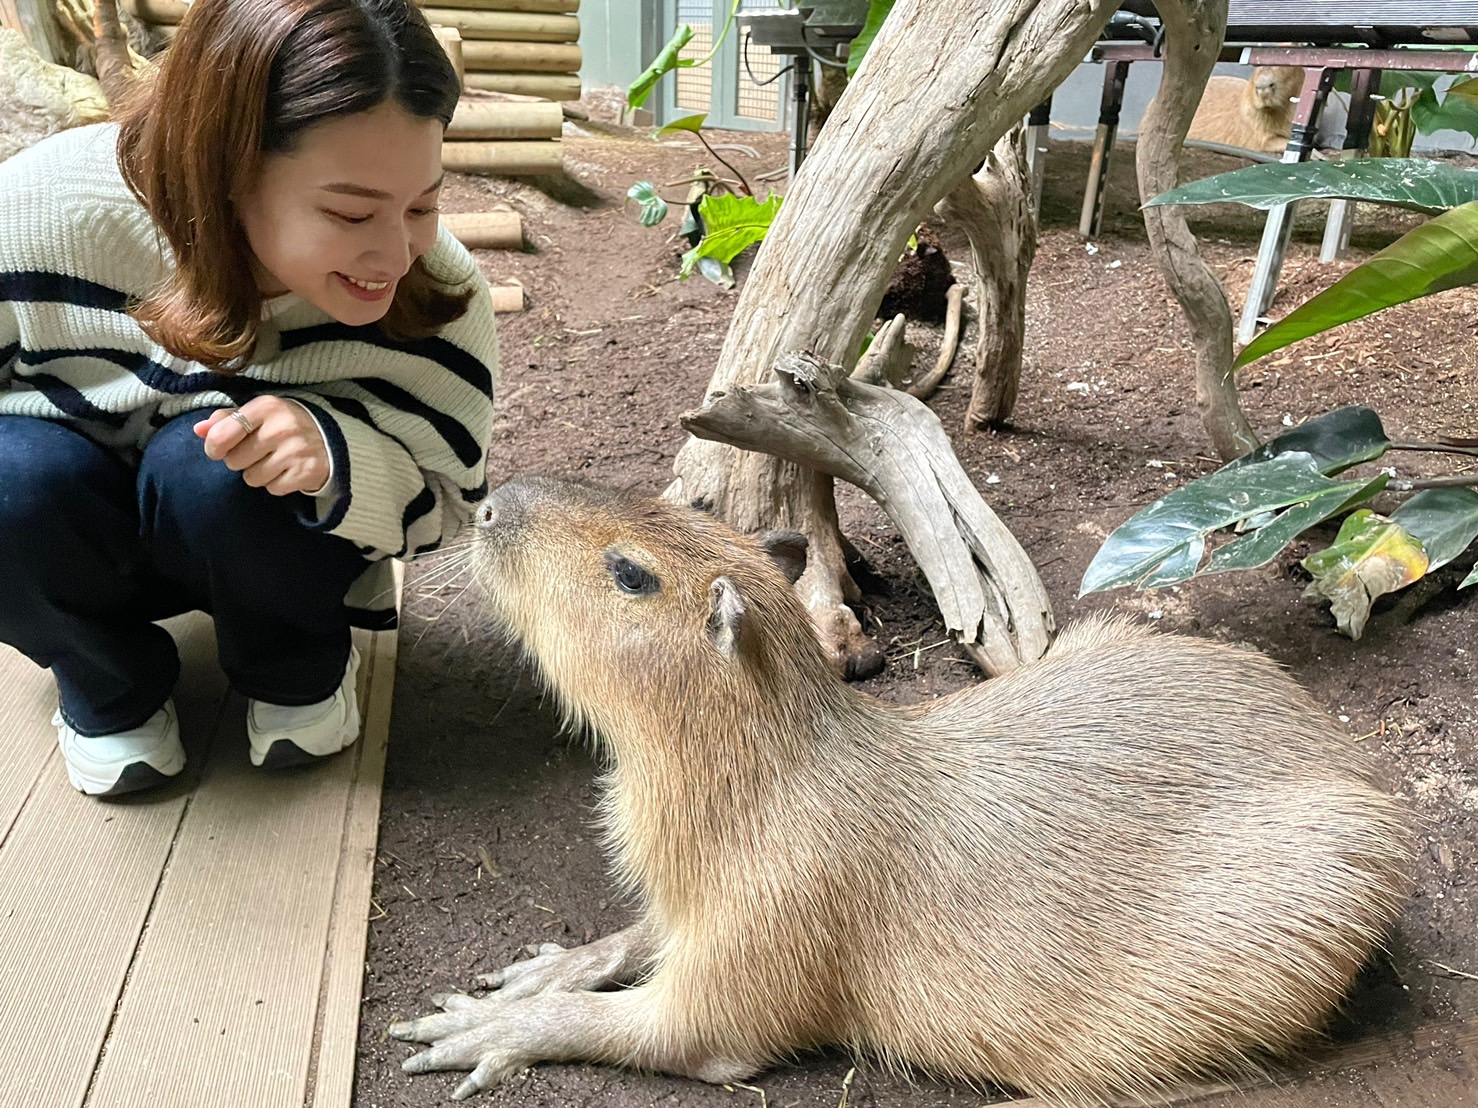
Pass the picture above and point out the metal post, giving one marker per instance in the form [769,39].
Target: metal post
[1114,75]
[800,111]
[1357,140]
[1038,124]
[1279,225]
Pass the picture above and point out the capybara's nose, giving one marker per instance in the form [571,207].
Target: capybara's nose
[510,503]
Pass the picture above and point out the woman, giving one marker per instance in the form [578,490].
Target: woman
[240,371]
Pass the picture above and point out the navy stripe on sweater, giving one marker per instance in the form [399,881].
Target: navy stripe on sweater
[9,353]
[39,285]
[67,399]
[448,355]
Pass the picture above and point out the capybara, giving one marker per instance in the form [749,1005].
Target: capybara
[1254,114]
[1139,860]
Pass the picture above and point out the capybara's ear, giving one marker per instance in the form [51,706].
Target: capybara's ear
[725,616]
[788,551]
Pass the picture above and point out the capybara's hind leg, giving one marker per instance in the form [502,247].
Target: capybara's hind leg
[496,1037]
[618,959]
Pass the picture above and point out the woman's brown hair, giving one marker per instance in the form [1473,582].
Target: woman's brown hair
[242,80]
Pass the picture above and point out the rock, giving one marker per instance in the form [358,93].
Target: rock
[38,98]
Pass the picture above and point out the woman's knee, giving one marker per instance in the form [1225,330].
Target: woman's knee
[176,481]
[51,473]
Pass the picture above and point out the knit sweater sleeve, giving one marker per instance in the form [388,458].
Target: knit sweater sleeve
[408,428]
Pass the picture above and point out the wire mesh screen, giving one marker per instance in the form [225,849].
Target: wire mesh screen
[758,88]
[695,84]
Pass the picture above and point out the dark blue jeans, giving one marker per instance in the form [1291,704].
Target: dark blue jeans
[92,552]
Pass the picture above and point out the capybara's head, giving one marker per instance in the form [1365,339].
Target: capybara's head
[630,604]
[1274,87]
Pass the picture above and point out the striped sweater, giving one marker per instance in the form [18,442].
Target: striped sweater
[407,423]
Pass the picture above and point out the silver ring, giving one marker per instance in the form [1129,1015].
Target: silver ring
[240,417]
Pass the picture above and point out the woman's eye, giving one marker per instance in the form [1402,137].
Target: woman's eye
[422,213]
[346,218]
[629,576]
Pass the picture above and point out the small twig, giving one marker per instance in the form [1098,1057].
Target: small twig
[1452,972]
[847,1087]
[1467,481]
[764,1100]
[745,184]
[1446,446]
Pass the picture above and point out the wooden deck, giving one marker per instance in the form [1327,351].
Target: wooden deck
[199,945]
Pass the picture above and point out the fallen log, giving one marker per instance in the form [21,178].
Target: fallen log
[451,42]
[485,230]
[507,297]
[503,119]
[513,158]
[507,26]
[521,57]
[546,86]
[550,7]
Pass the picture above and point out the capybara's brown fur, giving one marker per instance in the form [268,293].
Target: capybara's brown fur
[1141,859]
[1254,114]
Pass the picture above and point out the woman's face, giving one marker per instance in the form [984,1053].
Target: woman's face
[340,218]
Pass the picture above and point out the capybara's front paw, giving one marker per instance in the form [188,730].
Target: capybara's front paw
[467,1034]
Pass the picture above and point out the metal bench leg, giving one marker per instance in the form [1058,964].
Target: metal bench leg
[1114,74]
[1038,123]
[1357,141]
[1279,225]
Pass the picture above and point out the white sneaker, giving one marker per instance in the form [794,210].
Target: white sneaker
[290,735]
[124,762]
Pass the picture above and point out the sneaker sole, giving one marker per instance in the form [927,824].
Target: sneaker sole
[135,777]
[285,754]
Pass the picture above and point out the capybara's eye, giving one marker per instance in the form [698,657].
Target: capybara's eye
[629,576]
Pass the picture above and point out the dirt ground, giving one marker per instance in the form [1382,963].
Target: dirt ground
[487,838]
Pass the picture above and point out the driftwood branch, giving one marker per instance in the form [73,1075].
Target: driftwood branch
[924,387]
[940,85]
[895,449]
[994,208]
[1194,30]
[890,356]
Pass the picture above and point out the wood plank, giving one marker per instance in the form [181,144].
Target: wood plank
[230,972]
[336,1037]
[78,877]
[27,738]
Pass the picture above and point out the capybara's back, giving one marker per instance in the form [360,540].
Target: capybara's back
[1154,858]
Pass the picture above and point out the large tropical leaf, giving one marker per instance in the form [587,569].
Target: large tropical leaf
[730,223]
[1165,542]
[664,63]
[1458,110]
[1470,579]
[1415,183]
[1444,521]
[653,207]
[1336,441]
[1440,254]
[1371,556]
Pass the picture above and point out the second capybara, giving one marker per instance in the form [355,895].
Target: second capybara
[1253,114]
[1142,859]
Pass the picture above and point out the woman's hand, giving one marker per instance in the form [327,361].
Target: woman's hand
[273,443]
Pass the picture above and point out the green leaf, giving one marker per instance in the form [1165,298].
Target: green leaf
[653,207]
[730,224]
[665,63]
[718,272]
[1262,545]
[1164,543]
[877,11]
[1336,440]
[1444,521]
[1455,113]
[1470,579]
[1371,556]
[1440,254]
[1416,183]
[686,123]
